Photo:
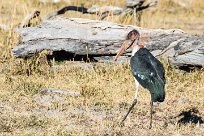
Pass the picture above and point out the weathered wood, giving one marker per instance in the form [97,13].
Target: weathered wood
[102,40]
[101,11]
[134,7]
[27,20]
[76,35]
[82,9]
[104,11]
[179,49]
[139,4]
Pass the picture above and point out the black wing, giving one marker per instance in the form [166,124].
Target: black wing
[149,72]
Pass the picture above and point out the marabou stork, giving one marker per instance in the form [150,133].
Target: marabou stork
[146,69]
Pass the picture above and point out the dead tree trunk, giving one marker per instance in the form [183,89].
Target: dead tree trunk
[101,40]
[104,11]
[136,7]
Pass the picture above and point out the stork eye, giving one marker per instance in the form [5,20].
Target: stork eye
[133,36]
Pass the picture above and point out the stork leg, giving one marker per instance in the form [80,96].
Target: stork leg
[134,101]
[151,109]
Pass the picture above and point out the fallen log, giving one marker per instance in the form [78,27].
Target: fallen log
[103,11]
[28,18]
[182,50]
[101,40]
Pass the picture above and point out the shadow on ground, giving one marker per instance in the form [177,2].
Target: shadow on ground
[190,116]
[64,55]
[69,56]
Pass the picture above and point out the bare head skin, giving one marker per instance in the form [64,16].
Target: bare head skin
[133,39]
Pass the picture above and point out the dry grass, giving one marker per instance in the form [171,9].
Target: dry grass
[107,90]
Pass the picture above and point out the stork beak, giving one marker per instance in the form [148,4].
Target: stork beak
[126,44]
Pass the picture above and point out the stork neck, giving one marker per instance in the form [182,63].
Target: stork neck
[135,49]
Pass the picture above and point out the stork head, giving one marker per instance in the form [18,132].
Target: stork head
[133,35]
[132,39]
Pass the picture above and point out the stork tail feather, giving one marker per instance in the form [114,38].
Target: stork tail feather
[158,93]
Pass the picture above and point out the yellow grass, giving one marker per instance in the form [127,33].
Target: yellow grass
[107,90]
